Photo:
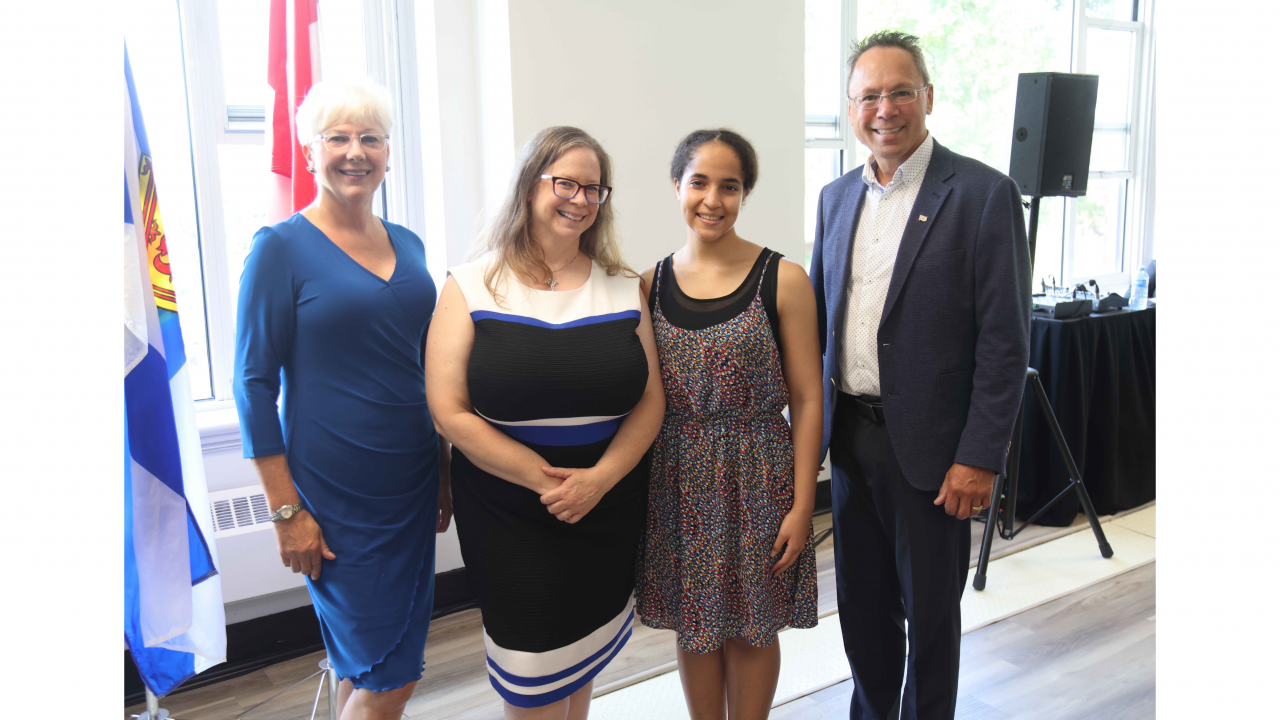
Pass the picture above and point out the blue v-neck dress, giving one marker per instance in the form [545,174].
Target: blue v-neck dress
[347,347]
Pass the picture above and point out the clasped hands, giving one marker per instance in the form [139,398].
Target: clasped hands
[575,493]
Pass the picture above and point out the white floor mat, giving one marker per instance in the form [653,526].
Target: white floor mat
[814,659]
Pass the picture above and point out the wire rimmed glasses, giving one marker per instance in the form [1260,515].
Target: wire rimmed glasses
[897,97]
[567,189]
[340,142]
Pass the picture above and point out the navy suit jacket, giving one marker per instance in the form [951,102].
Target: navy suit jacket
[953,338]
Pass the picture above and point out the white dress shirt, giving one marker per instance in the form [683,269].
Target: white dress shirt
[885,212]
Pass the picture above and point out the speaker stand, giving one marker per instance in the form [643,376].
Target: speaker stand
[1004,500]
[1000,517]
[1035,225]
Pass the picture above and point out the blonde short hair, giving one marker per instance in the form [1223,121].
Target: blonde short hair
[330,103]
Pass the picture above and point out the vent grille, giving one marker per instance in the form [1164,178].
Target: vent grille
[239,511]
[259,505]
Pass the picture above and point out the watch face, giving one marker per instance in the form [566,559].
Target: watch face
[286,512]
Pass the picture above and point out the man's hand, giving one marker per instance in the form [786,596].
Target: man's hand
[965,490]
[302,545]
[576,496]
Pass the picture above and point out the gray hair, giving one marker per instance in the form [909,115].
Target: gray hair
[889,38]
[330,103]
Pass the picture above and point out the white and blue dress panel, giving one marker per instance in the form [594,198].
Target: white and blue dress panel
[558,372]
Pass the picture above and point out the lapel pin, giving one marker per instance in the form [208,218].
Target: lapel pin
[923,218]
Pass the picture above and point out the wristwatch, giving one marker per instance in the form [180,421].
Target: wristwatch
[285,513]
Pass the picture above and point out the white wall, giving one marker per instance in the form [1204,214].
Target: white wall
[473,113]
[639,76]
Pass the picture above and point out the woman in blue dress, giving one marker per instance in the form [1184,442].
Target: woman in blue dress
[334,305]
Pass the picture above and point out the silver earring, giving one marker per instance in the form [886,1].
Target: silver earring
[311,170]
[387,169]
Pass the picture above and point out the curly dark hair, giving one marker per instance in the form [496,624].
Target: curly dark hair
[696,139]
[890,38]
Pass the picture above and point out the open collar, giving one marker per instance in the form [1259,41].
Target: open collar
[907,173]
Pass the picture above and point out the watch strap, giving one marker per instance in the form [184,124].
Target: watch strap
[293,510]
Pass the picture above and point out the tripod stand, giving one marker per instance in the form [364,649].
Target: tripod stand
[330,678]
[155,712]
[1004,497]
[1002,507]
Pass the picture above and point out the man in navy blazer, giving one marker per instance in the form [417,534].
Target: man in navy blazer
[923,282]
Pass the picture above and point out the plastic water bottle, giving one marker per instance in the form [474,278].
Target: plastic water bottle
[1138,291]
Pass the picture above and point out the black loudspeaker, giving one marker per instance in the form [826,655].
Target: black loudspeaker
[1053,133]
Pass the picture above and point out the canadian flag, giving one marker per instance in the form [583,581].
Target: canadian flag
[293,66]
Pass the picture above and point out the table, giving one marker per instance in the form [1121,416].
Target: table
[1099,372]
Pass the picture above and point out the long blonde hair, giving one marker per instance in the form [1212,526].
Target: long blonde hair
[507,234]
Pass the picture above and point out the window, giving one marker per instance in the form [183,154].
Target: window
[201,75]
[201,72]
[976,51]
[155,53]
[826,126]
[244,157]
[1104,235]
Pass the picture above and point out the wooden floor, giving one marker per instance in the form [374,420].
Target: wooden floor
[1091,654]
[1006,668]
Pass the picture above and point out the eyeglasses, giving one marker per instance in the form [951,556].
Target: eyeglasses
[339,142]
[567,189]
[897,97]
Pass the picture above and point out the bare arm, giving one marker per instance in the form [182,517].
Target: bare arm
[449,344]
[584,487]
[802,370]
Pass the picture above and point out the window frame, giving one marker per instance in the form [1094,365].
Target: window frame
[208,124]
[1140,194]
[390,59]
[844,139]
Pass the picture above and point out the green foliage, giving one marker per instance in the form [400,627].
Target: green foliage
[1091,213]
[976,48]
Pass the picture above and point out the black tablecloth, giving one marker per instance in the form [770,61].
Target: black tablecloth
[1100,374]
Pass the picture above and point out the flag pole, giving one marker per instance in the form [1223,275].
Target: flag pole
[154,712]
[331,674]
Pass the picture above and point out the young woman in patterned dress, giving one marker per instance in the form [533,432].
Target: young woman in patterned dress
[728,556]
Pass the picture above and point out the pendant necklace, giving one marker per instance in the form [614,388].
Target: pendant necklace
[551,281]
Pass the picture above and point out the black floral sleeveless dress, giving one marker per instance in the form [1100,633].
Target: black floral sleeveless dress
[722,478]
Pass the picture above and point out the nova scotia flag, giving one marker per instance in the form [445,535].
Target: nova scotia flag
[174,624]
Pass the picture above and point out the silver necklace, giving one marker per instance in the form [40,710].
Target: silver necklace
[551,281]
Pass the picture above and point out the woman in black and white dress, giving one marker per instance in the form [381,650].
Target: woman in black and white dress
[543,375]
